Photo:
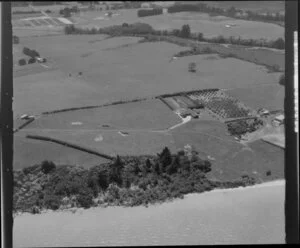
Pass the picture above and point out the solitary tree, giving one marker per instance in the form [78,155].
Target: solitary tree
[282,80]
[192,67]
[279,43]
[185,31]
[22,62]
[116,171]
[200,37]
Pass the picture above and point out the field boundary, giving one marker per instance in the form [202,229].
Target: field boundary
[71,145]
[24,125]
[93,106]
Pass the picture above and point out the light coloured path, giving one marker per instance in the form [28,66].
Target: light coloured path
[252,215]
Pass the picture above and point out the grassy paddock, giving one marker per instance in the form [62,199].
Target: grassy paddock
[28,152]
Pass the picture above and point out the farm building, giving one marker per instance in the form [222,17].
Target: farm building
[263,112]
[279,120]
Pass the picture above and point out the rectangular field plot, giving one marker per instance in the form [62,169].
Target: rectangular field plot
[148,114]
[270,97]
[218,102]
[35,22]
[29,152]
[112,142]
[44,22]
[232,160]
[56,22]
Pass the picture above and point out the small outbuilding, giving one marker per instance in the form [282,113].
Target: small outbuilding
[279,119]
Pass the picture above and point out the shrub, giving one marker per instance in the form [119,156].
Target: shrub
[85,200]
[47,166]
[282,80]
[16,39]
[30,53]
[22,62]
[52,202]
[192,67]
[268,173]
[30,169]
[31,61]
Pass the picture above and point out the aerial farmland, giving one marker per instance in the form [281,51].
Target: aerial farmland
[91,96]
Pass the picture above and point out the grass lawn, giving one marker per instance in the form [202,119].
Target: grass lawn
[149,114]
[28,152]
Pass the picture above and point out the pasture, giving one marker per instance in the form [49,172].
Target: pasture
[257,6]
[262,96]
[120,68]
[29,152]
[209,137]
[232,159]
[199,22]
[149,114]
[111,142]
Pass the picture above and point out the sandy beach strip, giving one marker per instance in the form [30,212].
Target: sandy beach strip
[250,215]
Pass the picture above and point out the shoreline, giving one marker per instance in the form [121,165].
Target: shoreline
[278,182]
[223,216]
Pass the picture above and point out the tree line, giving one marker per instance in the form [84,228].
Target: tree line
[230,12]
[149,12]
[127,181]
[184,32]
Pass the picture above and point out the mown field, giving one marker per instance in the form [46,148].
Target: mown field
[120,68]
[149,114]
[199,22]
[29,152]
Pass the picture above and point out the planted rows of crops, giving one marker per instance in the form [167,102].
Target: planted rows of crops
[221,104]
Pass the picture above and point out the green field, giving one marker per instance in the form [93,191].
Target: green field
[121,68]
[199,22]
[149,114]
[209,138]
[29,152]
[264,96]
[127,72]
[257,6]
